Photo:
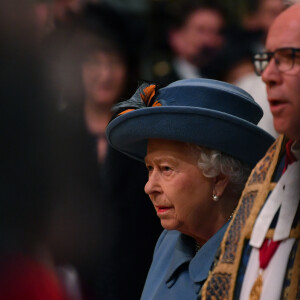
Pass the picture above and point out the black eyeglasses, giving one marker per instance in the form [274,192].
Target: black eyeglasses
[284,59]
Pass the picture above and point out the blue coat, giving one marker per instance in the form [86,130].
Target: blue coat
[176,272]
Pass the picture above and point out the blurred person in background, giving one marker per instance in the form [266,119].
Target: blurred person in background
[50,14]
[244,38]
[258,19]
[195,37]
[63,9]
[109,67]
[44,17]
[95,69]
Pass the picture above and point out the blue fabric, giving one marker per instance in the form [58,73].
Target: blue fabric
[187,93]
[176,272]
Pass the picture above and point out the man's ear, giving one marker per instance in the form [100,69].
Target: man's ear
[221,182]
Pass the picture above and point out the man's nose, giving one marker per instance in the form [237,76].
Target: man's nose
[271,74]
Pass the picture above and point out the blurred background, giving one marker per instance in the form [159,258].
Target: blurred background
[75,222]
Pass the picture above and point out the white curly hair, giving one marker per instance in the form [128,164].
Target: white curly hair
[213,162]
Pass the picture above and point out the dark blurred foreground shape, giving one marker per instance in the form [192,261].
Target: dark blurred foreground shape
[27,268]
[50,212]
[72,225]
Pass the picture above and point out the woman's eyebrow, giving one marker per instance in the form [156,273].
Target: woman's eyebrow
[163,159]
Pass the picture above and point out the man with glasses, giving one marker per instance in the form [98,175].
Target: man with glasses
[260,253]
[284,59]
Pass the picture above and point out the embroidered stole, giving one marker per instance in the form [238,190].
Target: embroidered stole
[222,280]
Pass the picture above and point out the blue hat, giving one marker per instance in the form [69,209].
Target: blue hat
[204,112]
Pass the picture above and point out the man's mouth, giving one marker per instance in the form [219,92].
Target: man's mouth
[276,101]
[277,105]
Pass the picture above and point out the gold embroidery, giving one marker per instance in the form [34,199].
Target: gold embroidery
[257,288]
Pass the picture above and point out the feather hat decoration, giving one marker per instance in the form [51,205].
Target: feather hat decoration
[143,97]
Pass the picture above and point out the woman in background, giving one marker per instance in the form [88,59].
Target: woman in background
[109,221]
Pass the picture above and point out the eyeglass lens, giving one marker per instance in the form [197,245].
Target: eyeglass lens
[284,60]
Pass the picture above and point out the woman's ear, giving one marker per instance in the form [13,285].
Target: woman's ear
[221,182]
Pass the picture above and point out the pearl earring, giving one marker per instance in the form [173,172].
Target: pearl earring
[215,198]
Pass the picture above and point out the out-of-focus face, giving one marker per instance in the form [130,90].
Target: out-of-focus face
[44,18]
[104,77]
[200,38]
[268,11]
[283,88]
[180,194]
[62,7]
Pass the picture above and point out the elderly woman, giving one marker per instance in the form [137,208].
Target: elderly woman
[198,139]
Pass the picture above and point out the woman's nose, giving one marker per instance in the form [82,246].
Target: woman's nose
[152,185]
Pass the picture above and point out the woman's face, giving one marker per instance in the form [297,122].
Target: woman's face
[104,77]
[181,195]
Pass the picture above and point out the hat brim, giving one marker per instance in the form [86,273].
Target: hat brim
[241,139]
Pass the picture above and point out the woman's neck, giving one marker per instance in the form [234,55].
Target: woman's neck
[206,231]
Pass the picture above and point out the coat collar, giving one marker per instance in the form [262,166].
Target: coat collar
[199,264]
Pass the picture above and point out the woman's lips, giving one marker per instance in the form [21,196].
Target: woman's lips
[162,209]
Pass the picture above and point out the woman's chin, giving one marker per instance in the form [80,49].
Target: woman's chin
[169,224]
[104,99]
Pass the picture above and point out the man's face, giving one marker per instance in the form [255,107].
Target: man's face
[283,88]
[200,38]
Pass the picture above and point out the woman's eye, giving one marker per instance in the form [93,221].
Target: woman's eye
[166,168]
[149,168]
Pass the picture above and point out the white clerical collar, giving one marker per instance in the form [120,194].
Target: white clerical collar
[185,70]
[284,196]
